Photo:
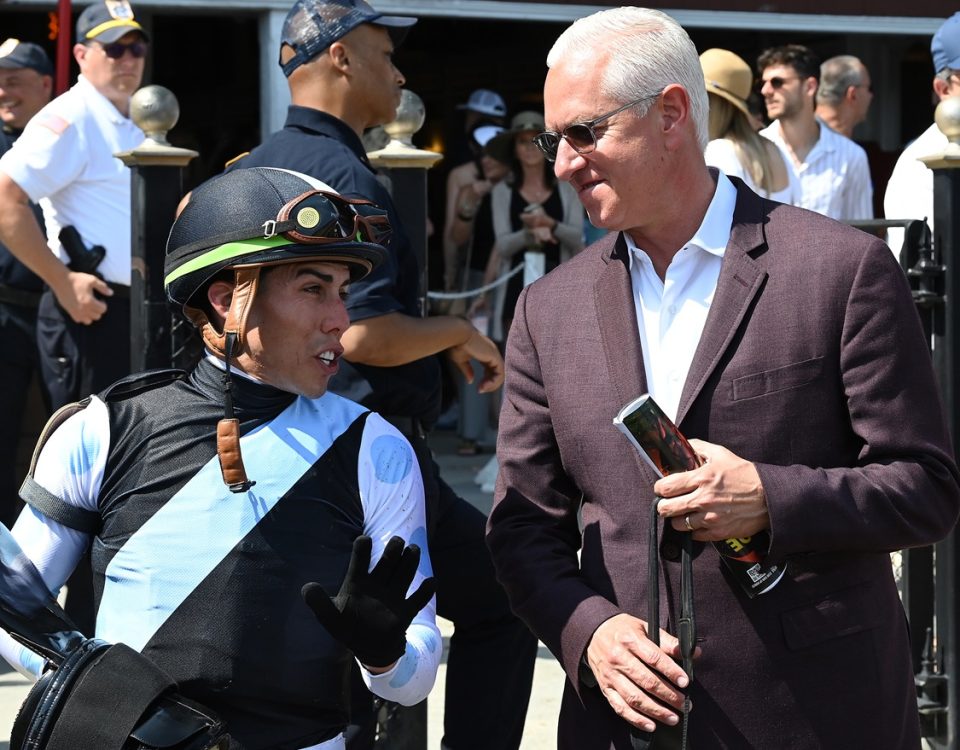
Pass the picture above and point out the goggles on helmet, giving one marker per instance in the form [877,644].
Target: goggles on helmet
[318,217]
[315,217]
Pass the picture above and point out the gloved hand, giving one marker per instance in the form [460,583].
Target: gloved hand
[371,613]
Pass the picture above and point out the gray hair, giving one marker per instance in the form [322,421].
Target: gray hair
[837,75]
[648,52]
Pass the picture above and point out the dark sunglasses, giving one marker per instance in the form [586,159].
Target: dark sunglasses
[778,82]
[115,50]
[317,217]
[582,136]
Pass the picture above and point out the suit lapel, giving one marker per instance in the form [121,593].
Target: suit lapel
[616,314]
[740,281]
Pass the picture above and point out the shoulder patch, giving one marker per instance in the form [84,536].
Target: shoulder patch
[230,162]
[140,382]
[52,122]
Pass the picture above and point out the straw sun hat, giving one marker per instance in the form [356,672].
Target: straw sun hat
[727,76]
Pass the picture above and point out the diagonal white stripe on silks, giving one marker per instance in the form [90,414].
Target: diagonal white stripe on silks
[183,542]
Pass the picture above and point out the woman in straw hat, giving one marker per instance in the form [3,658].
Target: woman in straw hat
[735,147]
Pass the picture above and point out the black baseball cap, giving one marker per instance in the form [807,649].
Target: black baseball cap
[313,25]
[106,22]
[17,54]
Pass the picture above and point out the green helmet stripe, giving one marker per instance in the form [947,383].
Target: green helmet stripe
[224,252]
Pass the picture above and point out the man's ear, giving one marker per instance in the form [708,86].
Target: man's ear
[80,52]
[219,296]
[339,55]
[810,86]
[941,87]
[674,103]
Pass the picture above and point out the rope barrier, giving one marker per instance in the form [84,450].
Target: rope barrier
[479,290]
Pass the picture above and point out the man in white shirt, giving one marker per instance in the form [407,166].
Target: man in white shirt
[833,170]
[844,94]
[64,161]
[910,189]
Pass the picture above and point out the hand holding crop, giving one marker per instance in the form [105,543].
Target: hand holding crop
[370,614]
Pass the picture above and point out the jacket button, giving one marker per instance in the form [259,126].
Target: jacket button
[670,551]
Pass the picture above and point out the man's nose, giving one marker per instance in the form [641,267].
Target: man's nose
[401,79]
[338,321]
[566,162]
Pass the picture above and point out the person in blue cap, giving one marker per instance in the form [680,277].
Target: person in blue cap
[909,192]
[25,88]
[338,59]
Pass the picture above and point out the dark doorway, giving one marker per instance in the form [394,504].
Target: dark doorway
[211,63]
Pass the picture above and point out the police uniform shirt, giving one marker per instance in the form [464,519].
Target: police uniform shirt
[65,162]
[324,147]
[207,582]
[12,272]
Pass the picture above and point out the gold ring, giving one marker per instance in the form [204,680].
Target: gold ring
[686,522]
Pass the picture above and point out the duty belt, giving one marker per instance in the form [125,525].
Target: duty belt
[11,295]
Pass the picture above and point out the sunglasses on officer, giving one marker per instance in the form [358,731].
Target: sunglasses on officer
[116,50]
[318,217]
[582,136]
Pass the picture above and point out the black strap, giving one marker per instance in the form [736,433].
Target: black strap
[99,714]
[45,502]
[640,740]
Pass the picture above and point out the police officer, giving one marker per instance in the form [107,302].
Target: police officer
[211,499]
[337,56]
[25,86]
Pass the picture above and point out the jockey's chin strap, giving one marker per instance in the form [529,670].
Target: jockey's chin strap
[640,740]
[228,344]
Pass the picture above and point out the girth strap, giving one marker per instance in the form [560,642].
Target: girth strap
[100,715]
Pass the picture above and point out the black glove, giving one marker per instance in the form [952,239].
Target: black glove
[371,613]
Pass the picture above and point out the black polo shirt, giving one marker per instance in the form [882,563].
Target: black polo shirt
[324,147]
[12,271]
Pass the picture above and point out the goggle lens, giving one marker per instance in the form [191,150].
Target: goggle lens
[323,217]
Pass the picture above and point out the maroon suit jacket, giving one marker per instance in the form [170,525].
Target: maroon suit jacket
[812,364]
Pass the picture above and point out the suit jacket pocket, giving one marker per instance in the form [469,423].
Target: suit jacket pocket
[844,612]
[780,379]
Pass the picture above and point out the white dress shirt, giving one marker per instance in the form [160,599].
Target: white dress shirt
[910,189]
[835,176]
[672,312]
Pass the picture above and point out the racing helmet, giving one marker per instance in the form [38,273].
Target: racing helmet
[250,218]
[243,221]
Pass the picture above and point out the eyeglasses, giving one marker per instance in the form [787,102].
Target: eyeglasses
[317,217]
[581,136]
[116,50]
[778,82]
[867,86]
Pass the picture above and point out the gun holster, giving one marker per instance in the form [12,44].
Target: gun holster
[110,697]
